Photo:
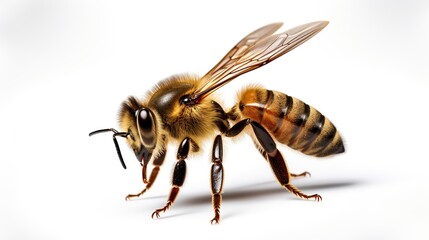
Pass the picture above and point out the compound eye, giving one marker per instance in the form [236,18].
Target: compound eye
[147,127]
[145,121]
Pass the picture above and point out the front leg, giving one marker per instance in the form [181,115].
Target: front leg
[179,175]
[157,162]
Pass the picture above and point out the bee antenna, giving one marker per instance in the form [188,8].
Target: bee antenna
[103,130]
[115,133]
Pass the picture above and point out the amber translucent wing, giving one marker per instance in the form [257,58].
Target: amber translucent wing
[248,41]
[253,51]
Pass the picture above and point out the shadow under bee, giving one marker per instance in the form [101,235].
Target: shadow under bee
[263,190]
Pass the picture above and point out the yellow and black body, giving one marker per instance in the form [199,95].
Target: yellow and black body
[182,108]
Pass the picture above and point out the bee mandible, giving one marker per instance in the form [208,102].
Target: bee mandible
[182,108]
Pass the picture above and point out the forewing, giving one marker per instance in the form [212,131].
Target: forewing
[248,41]
[255,50]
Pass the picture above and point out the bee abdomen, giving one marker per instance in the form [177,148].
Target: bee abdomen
[291,121]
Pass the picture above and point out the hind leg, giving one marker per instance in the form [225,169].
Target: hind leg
[277,163]
[293,175]
[272,154]
[303,174]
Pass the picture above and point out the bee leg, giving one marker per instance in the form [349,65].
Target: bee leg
[303,174]
[157,162]
[272,154]
[222,121]
[216,177]
[264,154]
[277,163]
[179,174]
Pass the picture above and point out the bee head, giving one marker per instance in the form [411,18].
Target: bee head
[139,127]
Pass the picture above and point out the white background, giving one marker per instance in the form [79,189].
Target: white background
[65,67]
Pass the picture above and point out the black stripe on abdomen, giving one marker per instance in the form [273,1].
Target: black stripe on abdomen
[284,112]
[325,138]
[300,123]
[314,132]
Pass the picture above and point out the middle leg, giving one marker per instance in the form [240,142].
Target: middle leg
[216,177]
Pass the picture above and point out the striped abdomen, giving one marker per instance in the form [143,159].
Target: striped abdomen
[291,121]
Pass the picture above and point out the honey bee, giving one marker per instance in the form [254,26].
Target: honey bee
[182,108]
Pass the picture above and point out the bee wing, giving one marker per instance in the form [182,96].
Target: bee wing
[253,51]
[248,41]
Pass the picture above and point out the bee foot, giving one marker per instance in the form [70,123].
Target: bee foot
[303,174]
[159,210]
[131,196]
[316,197]
[215,220]
[291,188]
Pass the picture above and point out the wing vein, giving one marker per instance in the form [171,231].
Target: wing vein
[255,50]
